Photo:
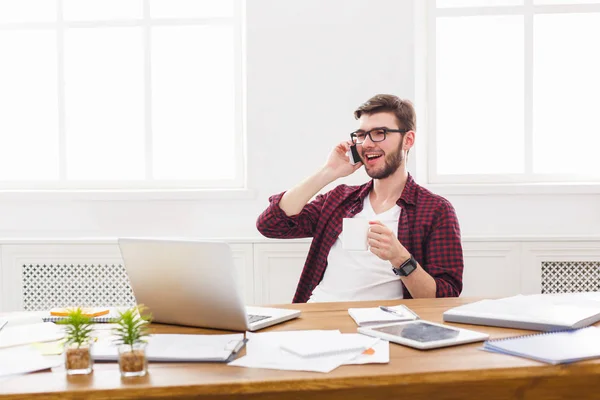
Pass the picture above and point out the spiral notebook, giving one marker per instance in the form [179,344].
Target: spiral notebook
[105,318]
[556,347]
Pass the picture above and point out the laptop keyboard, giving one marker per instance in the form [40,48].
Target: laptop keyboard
[255,318]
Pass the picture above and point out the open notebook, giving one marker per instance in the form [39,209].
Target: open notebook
[381,315]
[551,347]
[179,348]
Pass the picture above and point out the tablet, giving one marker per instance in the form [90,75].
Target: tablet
[423,334]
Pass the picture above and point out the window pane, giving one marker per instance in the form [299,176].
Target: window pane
[191,8]
[480,95]
[104,103]
[102,9]
[28,106]
[193,92]
[566,86]
[566,1]
[477,3]
[27,11]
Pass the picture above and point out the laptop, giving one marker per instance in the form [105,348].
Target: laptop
[193,283]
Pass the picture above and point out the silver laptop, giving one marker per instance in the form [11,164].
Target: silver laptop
[194,283]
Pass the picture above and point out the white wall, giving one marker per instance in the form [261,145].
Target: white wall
[309,64]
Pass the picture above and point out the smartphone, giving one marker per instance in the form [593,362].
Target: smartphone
[354,157]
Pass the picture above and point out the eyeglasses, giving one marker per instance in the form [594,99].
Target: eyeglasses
[376,135]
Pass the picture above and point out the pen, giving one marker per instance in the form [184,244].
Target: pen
[387,309]
[239,346]
[392,311]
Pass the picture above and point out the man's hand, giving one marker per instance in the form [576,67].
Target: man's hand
[338,163]
[385,245]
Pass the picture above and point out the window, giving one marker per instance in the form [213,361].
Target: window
[514,94]
[121,94]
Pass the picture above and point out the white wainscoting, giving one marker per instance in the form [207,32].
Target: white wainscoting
[268,270]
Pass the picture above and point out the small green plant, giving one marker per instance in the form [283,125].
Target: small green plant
[132,325]
[78,327]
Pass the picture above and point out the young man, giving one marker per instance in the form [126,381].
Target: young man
[414,237]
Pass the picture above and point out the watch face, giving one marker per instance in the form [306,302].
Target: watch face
[406,269]
[409,268]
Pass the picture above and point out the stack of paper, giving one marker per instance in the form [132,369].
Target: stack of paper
[377,315]
[315,350]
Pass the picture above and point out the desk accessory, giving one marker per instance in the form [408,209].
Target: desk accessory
[102,315]
[381,315]
[423,335]
[179,348]
[78,329]
[131,331]
[545,312]
[556,347]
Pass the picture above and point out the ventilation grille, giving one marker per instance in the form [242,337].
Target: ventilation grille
[570,276]
[62,285]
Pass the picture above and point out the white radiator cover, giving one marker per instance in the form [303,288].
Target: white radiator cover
[46,286]
[570,276]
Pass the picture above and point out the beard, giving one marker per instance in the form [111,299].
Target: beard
[392,162]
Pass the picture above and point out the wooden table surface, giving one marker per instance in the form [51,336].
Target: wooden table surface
[460,372]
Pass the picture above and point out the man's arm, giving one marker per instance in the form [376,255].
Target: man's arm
[385,245]
[289,215]
[443,256]
[337,166]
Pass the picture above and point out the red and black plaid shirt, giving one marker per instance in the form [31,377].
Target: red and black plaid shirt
[428,228]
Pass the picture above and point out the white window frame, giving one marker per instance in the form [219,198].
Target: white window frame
[148,188]
[528,182]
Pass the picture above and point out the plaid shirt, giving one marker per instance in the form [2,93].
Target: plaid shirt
[428,228]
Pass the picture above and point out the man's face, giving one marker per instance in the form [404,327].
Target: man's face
[381,159]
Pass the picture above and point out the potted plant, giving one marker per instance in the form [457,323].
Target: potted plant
[78,329]
[131,330]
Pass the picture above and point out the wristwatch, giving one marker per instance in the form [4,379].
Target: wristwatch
[408,267]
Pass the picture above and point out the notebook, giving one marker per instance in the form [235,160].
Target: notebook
[545,312]
[179,348]
[381,315]
[85,311]
[104,316]
[557,347]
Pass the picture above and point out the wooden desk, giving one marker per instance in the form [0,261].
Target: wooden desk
[462,372]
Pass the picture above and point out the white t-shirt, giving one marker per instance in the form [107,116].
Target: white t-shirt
[360,275]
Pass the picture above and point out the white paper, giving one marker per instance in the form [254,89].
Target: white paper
[30,333]
[264,351]
[24,359]
[23,317]
[379,353]
[307,347]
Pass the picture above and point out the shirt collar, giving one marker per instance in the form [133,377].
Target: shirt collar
[409,194]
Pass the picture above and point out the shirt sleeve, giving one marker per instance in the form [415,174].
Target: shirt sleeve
[444,254]
[275,223]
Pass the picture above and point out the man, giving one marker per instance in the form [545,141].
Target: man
[415,252]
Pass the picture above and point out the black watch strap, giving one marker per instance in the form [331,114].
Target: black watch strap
[408,267]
